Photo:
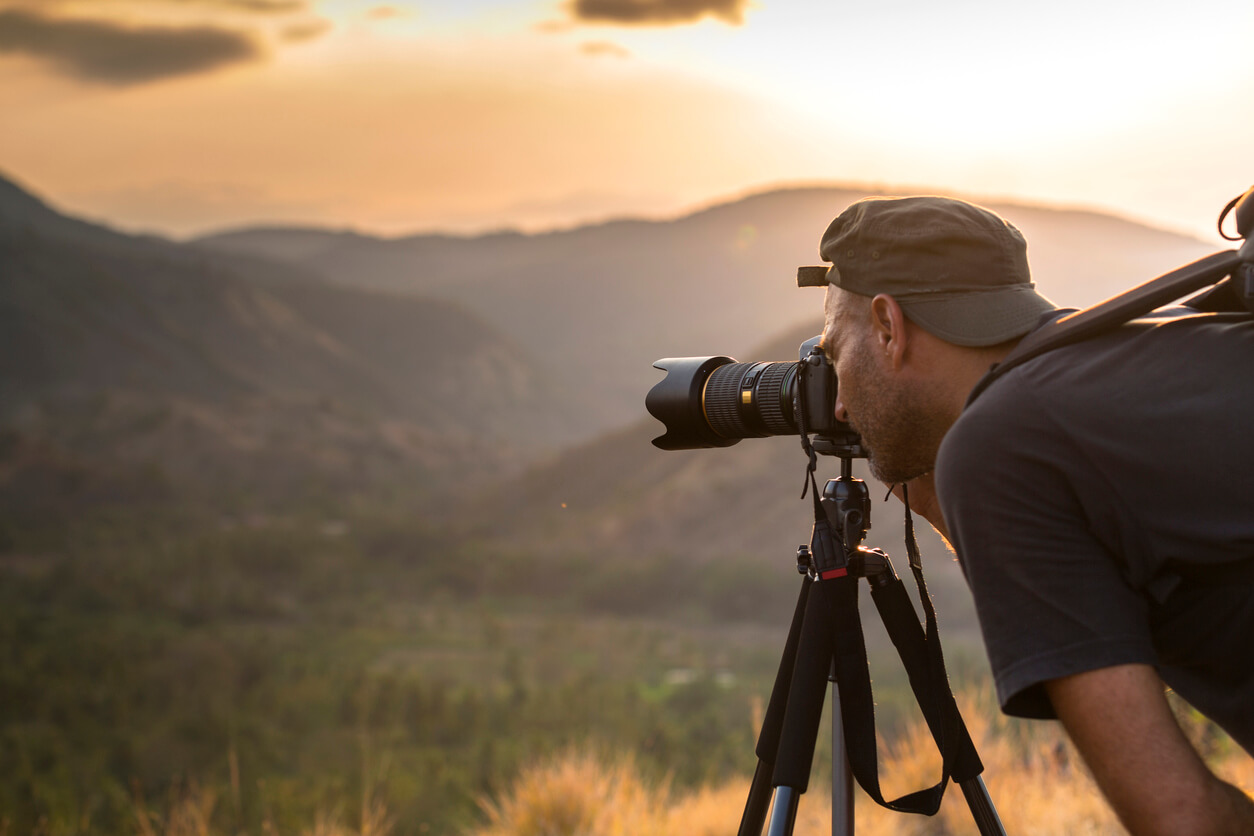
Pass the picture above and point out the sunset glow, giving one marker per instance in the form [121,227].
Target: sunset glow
[182,116]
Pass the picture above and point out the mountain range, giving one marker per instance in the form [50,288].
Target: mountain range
[268,361]
[136,355]
[598,304]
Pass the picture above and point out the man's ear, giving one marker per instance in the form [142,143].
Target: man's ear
[888,325]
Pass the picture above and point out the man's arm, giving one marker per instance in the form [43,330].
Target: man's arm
[1120,721]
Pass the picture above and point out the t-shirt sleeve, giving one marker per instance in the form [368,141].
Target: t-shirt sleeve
[1051,599]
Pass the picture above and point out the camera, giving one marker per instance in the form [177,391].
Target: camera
[715,402]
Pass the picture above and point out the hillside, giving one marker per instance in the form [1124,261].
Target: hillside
[598,304]
[619,501]
[127,355]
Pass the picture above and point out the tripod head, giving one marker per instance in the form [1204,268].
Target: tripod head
[847,502]
[842,518]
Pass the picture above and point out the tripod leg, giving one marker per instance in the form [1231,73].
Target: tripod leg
[981,806]
[805,708]
[842,775]
[759,801]
[784,814]
[767,750]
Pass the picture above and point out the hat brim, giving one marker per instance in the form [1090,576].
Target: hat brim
[979,319]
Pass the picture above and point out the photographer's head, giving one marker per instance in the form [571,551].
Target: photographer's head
[924,294]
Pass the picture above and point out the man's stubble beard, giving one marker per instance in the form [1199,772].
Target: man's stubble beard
[899,430]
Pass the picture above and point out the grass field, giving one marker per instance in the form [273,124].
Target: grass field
[1032,773]
[182,674]
[284,668]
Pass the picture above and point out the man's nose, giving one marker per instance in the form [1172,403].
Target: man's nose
[841,413]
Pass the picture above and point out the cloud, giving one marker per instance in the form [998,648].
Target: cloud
[264,7]
[604,48]
[553,27]
[384,13]
[110,53]
[308,31]
[657,12]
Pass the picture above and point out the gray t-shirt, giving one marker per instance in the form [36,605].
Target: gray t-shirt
[1101,501]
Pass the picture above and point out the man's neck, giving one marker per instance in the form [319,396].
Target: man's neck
[961,368]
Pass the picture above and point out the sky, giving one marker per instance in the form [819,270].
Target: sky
[182,117]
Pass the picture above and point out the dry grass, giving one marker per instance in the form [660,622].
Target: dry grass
[579,794]
[192,810]
[1033,775]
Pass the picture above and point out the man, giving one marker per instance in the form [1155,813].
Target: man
[1100,498]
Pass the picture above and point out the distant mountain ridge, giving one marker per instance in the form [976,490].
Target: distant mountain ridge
[126,351]
[283,348]
[600,303]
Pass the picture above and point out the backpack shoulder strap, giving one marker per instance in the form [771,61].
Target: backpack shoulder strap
[1115,311]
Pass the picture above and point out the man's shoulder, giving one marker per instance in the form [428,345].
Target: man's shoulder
[1175,378]
[1033,413]
[1007,411]
[1179,348]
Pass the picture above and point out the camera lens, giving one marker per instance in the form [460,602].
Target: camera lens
[715,401]
[751,400]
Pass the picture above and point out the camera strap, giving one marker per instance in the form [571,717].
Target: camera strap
[921,655]
[920,650]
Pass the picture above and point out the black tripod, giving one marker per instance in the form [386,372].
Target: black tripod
[825,643]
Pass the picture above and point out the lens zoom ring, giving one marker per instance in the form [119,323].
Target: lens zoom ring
[771,397]
[722,401]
